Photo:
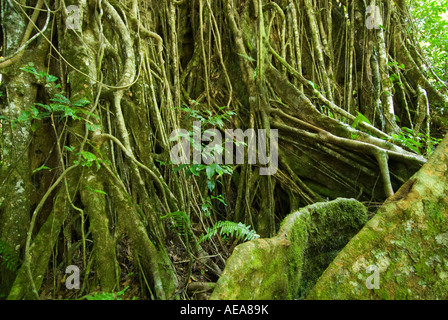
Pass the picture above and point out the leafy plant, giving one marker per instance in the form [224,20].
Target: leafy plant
[206,117]
[356,124]
[9,257]
[87,159]
[107,295]
[431,25]
[360,118]
[213,171]
[180,221]
[416,141]
[44,78]
[206,207]
[229,228]
[61,106]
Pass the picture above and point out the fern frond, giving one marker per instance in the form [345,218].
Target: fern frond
[9,257]
[180,221]
[229,228]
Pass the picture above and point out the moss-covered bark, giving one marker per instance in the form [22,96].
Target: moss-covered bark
[287,265]
[94,198]
[407,241]
[42,249]
[15,174]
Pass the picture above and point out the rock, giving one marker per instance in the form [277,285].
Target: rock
[405,244]
[287,265]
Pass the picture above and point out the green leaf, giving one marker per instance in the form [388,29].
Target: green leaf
[211,185]
[45,106]
[194,170]
[205,207]
[181,167]
[98,191]
[35,126]
[247,57]
[50,78]
[70,112]
[70,149]
[210,171]
[230,228]
[360,118]
[91,127]
[81,102]
[34,112]
[41,168]
[313,84]
[24,117]
[181,221]
[220,198]
[60,98]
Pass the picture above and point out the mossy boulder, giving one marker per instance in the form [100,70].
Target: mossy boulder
[406,243]
[287,265]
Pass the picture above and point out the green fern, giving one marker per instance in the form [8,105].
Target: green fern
[180,221]
[107,295]
[229,228]
[9,257]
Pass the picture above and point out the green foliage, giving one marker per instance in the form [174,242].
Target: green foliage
[180,221]
[417,141]
[407,138]
[356,124]
[87,159]
[207,206]
[9,257]
[431,22]
[213,172]
[61,106]
[360,118]
[208,120]
[107,295]
[229,228]
[47,79]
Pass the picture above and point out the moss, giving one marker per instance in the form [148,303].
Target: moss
[288,265]
[406,240]
[255,279]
